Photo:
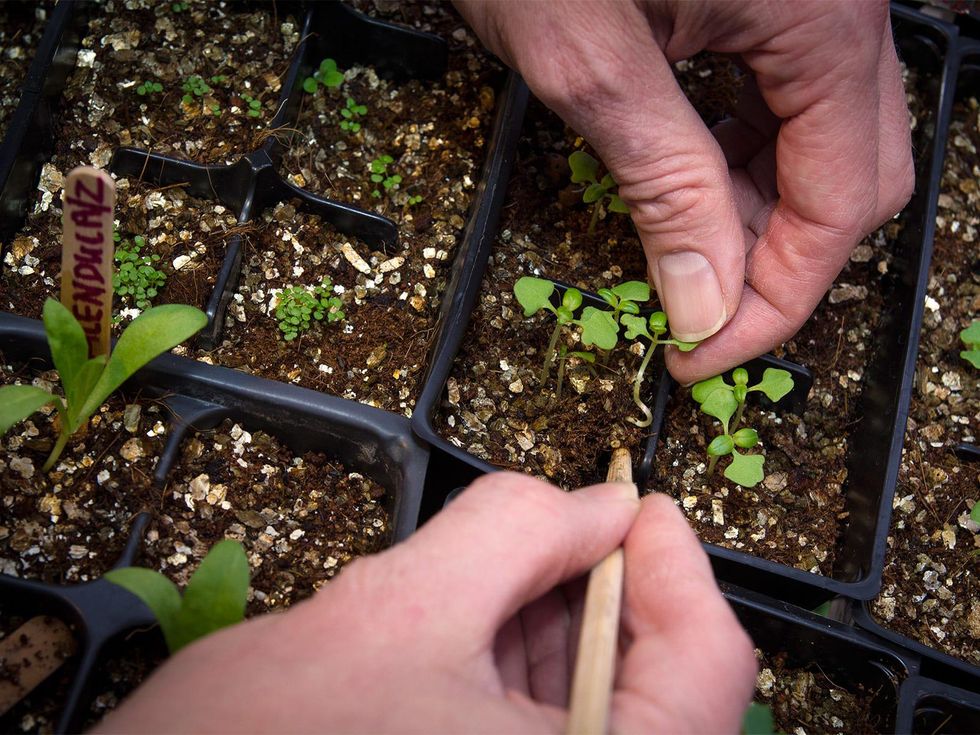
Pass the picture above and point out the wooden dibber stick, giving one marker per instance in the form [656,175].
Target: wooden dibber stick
[87,252]
[595,666]
[30,655]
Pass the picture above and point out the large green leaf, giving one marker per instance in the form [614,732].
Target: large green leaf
[598,328]
[636,326]
[533,294]
[216,594]
[705,388]
[721,404]
[17,402]
[775,383]
[152,333]
[584,167]
[638,291]
[745,469]
[158,593]
[69,348]
[86,379]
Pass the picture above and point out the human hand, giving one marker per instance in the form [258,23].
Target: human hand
[744,227]
[466,627]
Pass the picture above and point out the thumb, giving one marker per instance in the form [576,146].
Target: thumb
[608,78]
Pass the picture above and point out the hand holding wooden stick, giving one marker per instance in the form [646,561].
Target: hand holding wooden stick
[595,666]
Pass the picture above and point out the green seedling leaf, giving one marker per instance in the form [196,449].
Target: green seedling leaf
[823,609]
[309,85]
[598,328]
[721,446]
[682,346]
[705,388]
[972,357]
[151,334]
[69,348]
[633,291]
[593,193]
[617,205]
[721,404]
[636,326]
[974,512]
[215,596]
[745,469]
[571,299]
[758,720]
[533,294]
[18,402]
[746,438]
[584,356]
[584,167]
[608,296]
[971,335]
[775,383]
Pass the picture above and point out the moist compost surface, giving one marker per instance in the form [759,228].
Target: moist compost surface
[929,588]
[21,27]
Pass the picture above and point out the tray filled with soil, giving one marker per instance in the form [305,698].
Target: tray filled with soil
[195,454]
[817,675]
[927,601]
[928,707]
[840,448]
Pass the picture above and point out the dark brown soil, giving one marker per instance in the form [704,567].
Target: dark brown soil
[21,27]
[301,519]
[189,235]
[130,43]
[930,579]
[796,515]
[806,701]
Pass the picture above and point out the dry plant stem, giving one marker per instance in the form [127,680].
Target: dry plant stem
[595,665]
[550,357]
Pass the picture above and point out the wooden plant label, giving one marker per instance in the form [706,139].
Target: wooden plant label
[86,256]
[29,655]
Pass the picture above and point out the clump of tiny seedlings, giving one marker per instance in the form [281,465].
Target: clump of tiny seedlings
[196,86]
[971,340]
[88,382]
[136,276]
[350,113]
[598,328]
[585,170]
[380,175]
[723,401]
[179,7]
[299,307]
[149,88]
[326,75]
[253,107]
[215,596]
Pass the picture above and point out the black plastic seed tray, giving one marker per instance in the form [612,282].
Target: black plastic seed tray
[928,707]
[875,445]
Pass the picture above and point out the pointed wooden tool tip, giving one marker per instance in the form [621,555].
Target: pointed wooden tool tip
[620,466]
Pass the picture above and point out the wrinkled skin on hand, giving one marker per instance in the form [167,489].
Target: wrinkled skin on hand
[471,626]
[744,226]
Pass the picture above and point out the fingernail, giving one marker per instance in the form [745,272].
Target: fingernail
[614,491]
[691,296]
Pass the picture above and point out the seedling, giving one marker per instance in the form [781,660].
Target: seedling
[626,297]
[975,514]
[193,87]
[415,199]
[534,294]
[971,338]
[179,7]
[149,88]
[298,307]
[89,382]
[653,328]
[253,106]
[215,596]
[758,720]
[350,113]
[381,175]
[722,401]
[136,276]
[327,75]
[585,170]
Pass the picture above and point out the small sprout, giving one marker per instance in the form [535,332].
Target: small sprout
[327,75]
[381,175]
[723,401]
[193,87]
[136,276]
[415,199]
[626,297]
[350,113]
[179,7]
[149,88]
[585,170]
[215,596]
[298,307]
[971,338]
[975,512]
[534,294]
[87,382]
[652,328]
[253,106]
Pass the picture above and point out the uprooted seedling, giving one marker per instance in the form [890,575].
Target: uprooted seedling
[215,596]
[88,382]
[724,401]
[585,170]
